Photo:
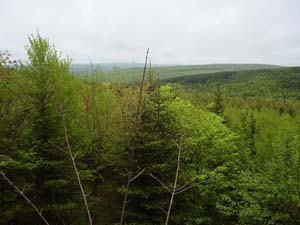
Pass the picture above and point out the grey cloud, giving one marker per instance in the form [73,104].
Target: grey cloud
[178,32]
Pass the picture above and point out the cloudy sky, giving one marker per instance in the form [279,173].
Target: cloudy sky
[177,32]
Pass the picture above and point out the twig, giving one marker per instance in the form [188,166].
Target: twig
[185,189]
[139,174]
[158,206]
[59,148]
[39,212]
[162,184]
[185,185]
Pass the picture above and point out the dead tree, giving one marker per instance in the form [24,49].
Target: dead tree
[39,212]
[130,177]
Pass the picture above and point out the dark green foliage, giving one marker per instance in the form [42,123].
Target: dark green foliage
[45,71]
[45,170]
[217,106]
[279,83]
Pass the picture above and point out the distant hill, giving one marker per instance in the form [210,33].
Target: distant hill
[187,70]
[115,71]
[80,68]
[267,82]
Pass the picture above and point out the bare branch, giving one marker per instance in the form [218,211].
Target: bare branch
[75,155]
[88,194]
[185,189]
[158,206]
[162,184]
[140,173]
[59,148]
[185,185]
[24,196]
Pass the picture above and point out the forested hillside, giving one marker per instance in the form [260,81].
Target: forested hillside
[81,150]
[131,72]
[278,83]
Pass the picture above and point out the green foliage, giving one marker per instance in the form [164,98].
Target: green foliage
[239,134]
[278,83]
[264,189]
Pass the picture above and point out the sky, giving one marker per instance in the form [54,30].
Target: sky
[177,32]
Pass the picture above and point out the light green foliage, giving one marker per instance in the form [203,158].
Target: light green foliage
[265,188]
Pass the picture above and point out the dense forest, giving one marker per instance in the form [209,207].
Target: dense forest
[134,70]
[214,148]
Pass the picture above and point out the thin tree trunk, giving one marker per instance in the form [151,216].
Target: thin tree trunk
[77,172]
[24,196]
[175,185]
[125,200]
[133,142]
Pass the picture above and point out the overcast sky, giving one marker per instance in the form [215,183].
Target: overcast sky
[177,32]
